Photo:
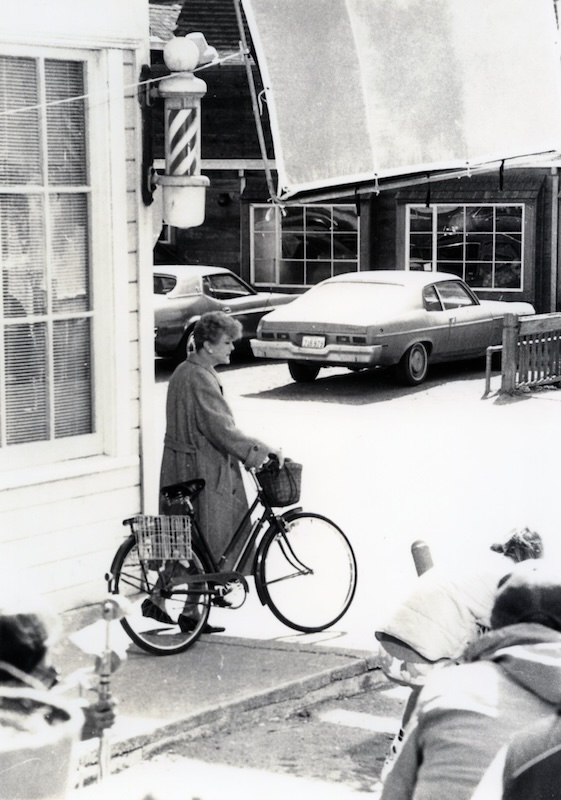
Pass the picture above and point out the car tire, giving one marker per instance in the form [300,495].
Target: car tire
[303,373]
[186,346]
[414,365]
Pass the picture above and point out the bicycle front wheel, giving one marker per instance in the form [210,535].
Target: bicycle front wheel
[168,610]
[306,572]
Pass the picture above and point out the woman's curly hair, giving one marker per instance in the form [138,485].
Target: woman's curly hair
[521,545]
[212,325]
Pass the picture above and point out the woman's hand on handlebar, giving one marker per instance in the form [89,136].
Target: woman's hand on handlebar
[275,457]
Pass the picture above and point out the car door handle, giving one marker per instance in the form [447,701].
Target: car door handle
[227,309]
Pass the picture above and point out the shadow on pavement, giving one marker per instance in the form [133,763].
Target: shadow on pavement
[371,386]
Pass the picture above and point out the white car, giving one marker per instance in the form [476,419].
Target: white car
[383,318]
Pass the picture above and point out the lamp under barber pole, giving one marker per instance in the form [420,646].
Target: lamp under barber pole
[183,186]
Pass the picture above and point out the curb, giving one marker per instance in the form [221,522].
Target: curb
[360,674]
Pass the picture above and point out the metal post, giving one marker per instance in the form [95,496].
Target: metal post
[421,556]
[254,103]
[113,608]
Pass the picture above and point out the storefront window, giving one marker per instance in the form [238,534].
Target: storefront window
[302,245]
[482,244]
[46,310]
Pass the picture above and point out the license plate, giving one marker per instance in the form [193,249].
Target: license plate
[316,342]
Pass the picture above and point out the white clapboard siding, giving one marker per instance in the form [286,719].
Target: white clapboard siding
[60,525]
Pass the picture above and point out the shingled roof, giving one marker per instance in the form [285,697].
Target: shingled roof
[163,21]
[216,19]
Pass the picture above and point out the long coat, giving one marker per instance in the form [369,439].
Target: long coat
[202,441]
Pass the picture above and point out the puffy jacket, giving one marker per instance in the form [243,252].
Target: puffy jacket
[446,608]
[466,713]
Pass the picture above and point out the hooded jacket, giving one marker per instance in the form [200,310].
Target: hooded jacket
[467,712]
[528,767]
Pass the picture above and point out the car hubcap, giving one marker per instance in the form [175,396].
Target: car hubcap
[417,362]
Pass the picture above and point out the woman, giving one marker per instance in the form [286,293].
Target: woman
[448,608]
[202,439]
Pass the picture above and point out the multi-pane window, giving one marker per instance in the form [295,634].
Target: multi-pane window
[46,310]
[483,244]
[303,245]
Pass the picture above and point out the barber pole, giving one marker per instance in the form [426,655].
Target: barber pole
[182,184]
[183,154]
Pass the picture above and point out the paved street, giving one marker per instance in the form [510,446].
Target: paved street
[391,465]
[342,741]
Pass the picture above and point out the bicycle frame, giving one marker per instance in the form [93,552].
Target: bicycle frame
[267,516]
[218,575]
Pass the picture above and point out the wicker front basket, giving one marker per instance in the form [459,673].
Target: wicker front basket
[282,486]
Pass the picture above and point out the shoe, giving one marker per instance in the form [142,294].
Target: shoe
[150,609]
[221,602]
[188,624]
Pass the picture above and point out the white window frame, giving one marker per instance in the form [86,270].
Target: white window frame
[106,156]
[277,211]
[433,262]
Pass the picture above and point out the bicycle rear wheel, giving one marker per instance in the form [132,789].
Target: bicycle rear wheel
[306,573]
[185,608]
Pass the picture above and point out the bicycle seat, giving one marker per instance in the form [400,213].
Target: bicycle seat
[189,489]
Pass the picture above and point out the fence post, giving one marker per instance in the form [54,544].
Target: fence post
[510,353]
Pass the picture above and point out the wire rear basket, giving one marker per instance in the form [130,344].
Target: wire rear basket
[163,538]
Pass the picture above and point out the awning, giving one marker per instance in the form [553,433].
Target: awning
[367,93]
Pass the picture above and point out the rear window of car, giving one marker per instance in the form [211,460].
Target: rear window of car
[369,297]
[163,284]
[454,295]
[179,287]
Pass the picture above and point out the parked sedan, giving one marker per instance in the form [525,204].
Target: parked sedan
[183,292]
[386,318]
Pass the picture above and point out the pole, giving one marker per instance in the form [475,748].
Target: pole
[104,690]
[113,608]
[421,556]
[254,103]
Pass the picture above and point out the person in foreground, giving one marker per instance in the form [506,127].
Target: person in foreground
[529,767]
[510,679]
[26,638]
[203,441]
[447,609]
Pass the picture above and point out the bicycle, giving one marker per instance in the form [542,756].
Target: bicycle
[304,568]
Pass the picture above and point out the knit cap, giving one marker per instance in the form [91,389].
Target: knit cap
[530,593]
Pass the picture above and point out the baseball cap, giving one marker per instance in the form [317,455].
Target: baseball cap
[530,593]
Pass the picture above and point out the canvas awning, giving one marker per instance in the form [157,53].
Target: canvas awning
[363,94]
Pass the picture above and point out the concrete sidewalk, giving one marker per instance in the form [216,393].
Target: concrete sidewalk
[161,699]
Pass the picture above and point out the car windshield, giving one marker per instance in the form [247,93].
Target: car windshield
[368,297]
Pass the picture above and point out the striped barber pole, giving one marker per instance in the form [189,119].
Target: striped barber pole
[183,141]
